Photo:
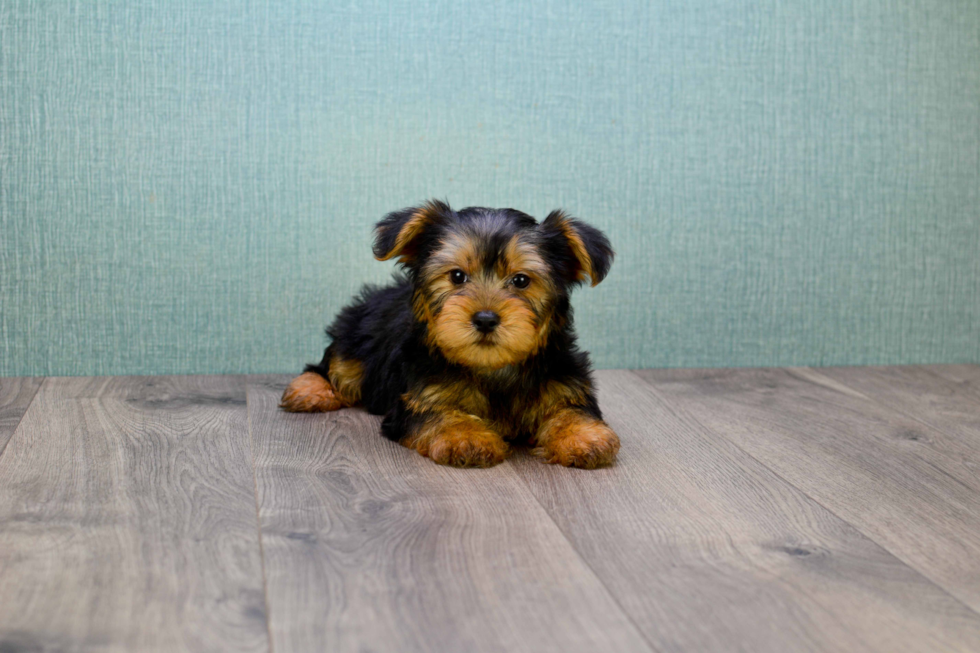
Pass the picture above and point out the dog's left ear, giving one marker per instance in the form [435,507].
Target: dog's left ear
[400,232]
[578,248]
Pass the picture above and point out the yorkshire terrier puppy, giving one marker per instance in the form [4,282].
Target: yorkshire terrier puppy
[472,346]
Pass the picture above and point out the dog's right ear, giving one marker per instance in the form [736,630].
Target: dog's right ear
[398,234]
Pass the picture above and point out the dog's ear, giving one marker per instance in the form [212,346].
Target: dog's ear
[576,248]
[399,233]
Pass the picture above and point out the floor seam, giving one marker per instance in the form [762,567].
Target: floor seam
[258,516]
[585,561]
[23,415]
[710,436]
[972,397]
[857,528]
[907,415]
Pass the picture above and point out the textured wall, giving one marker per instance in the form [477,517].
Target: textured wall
[189,186]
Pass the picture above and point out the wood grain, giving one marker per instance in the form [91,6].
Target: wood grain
[850,454]
[127,519]
[967,377]
[16,394]
[708,550]
[916,392]
[369,546]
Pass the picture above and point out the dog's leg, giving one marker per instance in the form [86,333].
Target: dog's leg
[312,392]
[455,438]
[573,438]
[447,421]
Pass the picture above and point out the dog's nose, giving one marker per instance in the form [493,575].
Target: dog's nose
[486,321]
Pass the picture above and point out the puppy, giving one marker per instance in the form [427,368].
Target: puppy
[472,346]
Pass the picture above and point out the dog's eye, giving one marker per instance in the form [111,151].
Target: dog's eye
[521,280]
[458,277]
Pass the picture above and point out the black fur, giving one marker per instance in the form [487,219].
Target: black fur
[380,330]
[560,255]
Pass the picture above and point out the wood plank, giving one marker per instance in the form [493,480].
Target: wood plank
[369,546]
[127,519]
[851,455]
[924,395]
[708,550]
[966,376]
[16,394]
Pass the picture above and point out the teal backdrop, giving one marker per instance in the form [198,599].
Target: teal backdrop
[189,186]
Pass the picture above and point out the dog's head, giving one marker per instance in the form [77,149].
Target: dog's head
[489,283]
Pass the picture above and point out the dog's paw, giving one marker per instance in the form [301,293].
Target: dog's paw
[310,393]
[467,448]
[579,441]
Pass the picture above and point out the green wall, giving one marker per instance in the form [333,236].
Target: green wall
[190,186]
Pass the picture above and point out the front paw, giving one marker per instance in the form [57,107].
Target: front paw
[576,440]
[467,447]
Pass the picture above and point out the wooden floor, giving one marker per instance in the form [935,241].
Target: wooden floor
[750,510]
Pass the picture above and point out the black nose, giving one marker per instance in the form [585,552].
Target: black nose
[486,321]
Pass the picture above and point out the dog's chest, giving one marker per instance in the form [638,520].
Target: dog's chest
[515,408]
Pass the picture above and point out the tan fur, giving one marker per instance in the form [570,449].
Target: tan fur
[512,341]
[570,437]
[556,393]
[412,228]
[457,439]
[448,309]
[455,251]
[521,257]
[462,395]
[421,308]
[578,249]
[310,393]
[346,375]
[554,396]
